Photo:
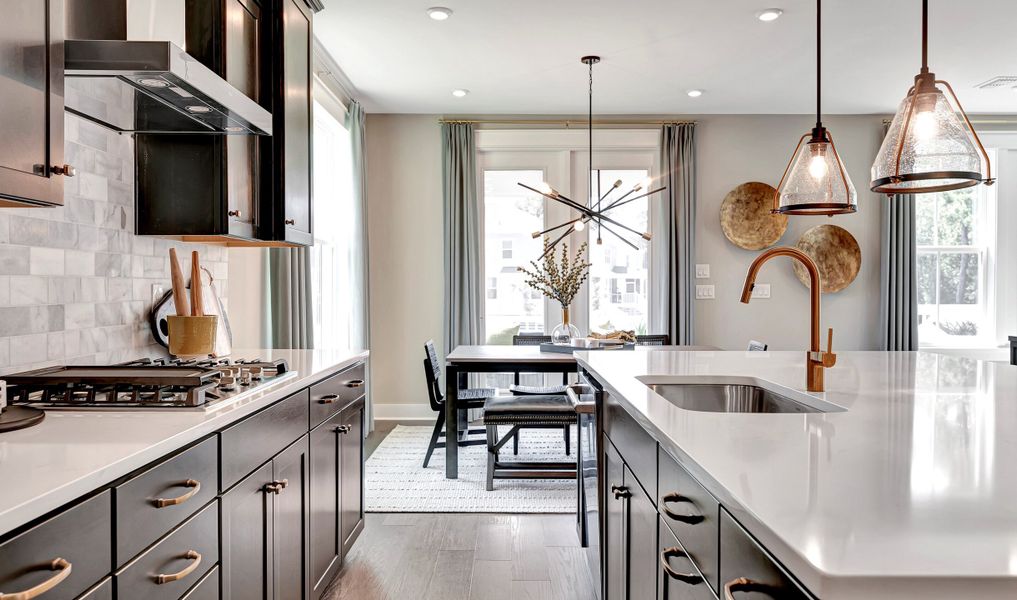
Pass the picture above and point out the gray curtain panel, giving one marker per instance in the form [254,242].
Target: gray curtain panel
[898,298]
[360,331]
[289,284]
[462,266]
[677,224]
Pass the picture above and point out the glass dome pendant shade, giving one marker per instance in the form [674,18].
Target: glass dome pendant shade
[930,145]
[815,181]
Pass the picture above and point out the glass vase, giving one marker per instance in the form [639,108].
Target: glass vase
[564,332]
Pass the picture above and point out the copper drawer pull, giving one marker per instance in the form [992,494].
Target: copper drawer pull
[190,555]
[277,486]
[743,584]
[676,497]
[58,564]
[191,483]
[328,398]
[620,492]
[690,578]
[355,383]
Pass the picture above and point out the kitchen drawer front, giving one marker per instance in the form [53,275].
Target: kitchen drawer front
[154,502]
[691,512]
[677,576]
[248,444]
[80,536]
[328,397]
[637,448]
[745,567]
[171,567]
[207,588]
[102,591]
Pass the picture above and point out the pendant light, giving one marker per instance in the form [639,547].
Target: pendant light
[815,182]
[930,145]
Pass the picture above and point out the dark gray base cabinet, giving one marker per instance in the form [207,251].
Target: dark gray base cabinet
[631,536]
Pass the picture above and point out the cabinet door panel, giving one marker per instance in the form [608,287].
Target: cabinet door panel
[613,545]
[325,544]
[351,440]
[290,532]
[642,541]
[296,111]
[247,538]
[32,88]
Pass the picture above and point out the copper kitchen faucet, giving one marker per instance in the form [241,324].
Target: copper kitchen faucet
[815,360]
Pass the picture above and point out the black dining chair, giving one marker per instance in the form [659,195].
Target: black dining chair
[536,339]
[653,340]
[468,399]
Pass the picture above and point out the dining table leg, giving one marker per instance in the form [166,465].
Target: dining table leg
[451,422]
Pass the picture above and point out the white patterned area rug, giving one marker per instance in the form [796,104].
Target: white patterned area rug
[396,481]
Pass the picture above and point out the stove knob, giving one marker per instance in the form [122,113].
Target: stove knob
[227,383]
[245,377]
[256,373]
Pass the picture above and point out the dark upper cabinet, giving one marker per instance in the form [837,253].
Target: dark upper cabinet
[288,218]
[204,187]
[32,166]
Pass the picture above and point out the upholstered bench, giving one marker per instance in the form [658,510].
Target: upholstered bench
[525,412]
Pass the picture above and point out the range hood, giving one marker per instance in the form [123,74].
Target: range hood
[154,87]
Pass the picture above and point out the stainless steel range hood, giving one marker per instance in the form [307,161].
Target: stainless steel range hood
[154,87]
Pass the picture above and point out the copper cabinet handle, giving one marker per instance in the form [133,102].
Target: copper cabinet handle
[67,170]
[328,398]
[743,584]
[277,486]
[343,428]
[676,498]
[355,383]
[620,491]
[191,483]
[668,553]
[57,564]
[289,222]
[190,555]
[234,213]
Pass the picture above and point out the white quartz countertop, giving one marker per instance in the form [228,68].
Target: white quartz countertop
[909,492]
[72,453]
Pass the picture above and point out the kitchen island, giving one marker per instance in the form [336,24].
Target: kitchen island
[262,493]
[902,489]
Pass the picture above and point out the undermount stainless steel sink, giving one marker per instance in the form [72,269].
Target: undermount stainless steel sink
[731,398]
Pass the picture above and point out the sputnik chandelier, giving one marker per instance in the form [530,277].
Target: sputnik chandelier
[594,212]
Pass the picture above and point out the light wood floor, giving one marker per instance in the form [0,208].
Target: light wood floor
[446,556]
[465,557]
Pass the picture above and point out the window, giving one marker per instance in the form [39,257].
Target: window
[333,231]
[511,215]
[625,303]
[954,244]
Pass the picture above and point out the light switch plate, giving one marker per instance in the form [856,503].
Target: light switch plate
[705,292]
[761,290]
[703,271]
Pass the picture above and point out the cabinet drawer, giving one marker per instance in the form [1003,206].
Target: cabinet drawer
[678,578]
[151,503]
[80,536]
[248,444]
[637,448]
[691,512]
[328,397]
[746,567]
[171,567]
[207,588]
[102,591]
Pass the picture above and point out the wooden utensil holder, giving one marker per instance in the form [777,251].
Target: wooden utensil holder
[192,336]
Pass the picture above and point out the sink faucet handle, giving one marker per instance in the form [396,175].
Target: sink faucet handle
[829,341]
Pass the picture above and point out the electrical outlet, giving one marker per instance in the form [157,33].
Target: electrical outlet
[157,292]
[705,292]
[703,271]
[761,290]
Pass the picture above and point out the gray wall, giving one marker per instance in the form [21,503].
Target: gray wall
[404,188]
[75,282]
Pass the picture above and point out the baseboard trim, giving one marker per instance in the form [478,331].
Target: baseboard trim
[403,412]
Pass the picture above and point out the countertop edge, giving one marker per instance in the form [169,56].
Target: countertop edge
[26,512]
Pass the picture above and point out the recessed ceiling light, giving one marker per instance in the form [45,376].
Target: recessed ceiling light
[439,13]
[694,93]
[460,93]
[770,14]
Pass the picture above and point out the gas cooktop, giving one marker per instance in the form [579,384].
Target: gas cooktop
[146,384]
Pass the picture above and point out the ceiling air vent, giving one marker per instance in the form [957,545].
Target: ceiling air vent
[997,82]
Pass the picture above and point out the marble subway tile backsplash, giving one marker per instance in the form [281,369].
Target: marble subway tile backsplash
[75,282]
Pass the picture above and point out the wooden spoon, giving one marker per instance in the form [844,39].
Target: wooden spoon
[197,299]
[177,279]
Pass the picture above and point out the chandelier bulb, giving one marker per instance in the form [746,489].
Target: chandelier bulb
[579,226]
[817,167]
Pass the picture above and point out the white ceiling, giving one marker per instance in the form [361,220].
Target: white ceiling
[522,56]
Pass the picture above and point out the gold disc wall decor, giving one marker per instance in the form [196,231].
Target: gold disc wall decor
[836,253]
[746,219]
